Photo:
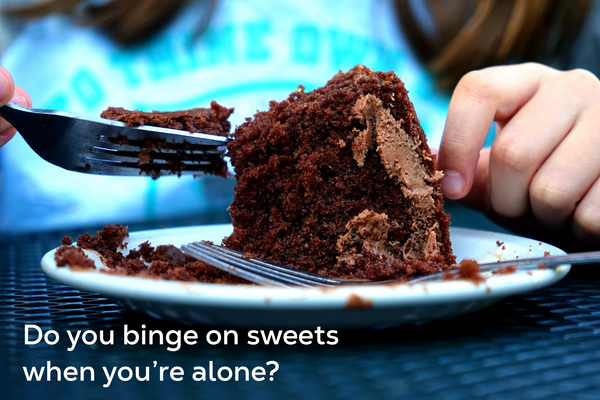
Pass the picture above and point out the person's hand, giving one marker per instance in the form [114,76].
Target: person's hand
[542,173]
[10,93]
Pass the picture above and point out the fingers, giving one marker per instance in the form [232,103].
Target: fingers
[479,195]
[10,93]
[545,158]
[7,132]
[569,181]
[7,87]
[563,182]
[21,97]
[481,97]
[544,161]
[586,218]
[527,142]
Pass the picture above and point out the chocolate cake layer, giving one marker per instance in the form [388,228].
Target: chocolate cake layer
[213,120]
[340,181]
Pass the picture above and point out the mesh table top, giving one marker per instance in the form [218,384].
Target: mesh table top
[544,344]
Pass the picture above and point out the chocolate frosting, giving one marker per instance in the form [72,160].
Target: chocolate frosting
[399,155]
[369,231]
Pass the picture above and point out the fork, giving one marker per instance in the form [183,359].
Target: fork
[96,145]
[273,274]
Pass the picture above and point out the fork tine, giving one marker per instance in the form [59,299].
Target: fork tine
[132,168]
[255,270]
[137,146]
[264,269]
[148,132]
[232,269]
[126,159]
[227,267]
[129,162]
[275,267]
[127,155]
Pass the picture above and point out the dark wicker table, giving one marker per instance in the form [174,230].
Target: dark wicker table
[544,344]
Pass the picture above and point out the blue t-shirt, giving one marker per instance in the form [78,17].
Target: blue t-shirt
[251,53]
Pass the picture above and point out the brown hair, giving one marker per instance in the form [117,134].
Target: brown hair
[469,35]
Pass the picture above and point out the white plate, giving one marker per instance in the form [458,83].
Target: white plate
[344,307]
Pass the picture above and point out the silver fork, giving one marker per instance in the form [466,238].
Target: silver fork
[88,144]
[272,274]
[260,271]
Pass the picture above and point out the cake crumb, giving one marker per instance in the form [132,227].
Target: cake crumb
[74,257]
[355,302]
[509,269]
[499,243]
[468,270]
[160,262]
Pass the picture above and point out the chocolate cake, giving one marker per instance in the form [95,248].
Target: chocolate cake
[213,120]
[340,181]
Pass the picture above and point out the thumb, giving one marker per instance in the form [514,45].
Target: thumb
[7,86]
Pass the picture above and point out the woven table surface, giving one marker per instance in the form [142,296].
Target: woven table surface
[544,344]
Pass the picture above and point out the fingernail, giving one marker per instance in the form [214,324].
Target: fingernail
[19,99]
[4,85]
[452,183]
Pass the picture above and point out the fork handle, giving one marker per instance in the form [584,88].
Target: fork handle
[525,264]
[589,257]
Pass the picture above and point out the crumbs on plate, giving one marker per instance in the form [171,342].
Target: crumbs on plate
[160,262]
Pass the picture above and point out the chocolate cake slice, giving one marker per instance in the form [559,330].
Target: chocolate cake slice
[213,120]
[340,181]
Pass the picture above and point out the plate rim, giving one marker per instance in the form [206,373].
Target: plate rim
[196,294]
